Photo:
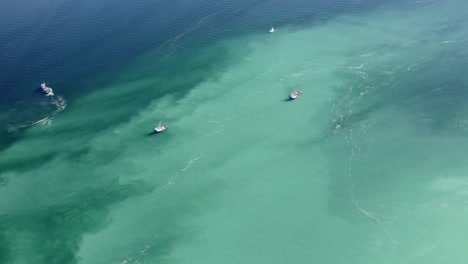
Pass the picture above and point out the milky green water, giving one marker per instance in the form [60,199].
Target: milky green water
[368,166]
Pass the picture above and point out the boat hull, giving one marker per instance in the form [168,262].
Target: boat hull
[160,129]
[295,95]
[47,90]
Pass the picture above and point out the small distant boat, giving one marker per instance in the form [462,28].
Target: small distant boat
[47,90]
[272,30]
[160,128]
[295,95]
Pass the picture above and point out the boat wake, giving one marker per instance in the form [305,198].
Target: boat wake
[215,132]
[183,34]
[58,103]
[190,162]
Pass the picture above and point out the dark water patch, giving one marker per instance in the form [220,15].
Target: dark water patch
[77,154]
[372,156]
[192,69]
[371,183]
[27,163]
[300,13]
[7,138]
[169,215]
[5,252]
[73,42]
[437,87]
[391,124]
[54,231]
[84,41]
[71,47]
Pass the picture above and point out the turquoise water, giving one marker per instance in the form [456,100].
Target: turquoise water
[368,166]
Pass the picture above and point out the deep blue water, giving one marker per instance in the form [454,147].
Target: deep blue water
[66,42]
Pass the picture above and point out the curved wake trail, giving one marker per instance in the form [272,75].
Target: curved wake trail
[59,104]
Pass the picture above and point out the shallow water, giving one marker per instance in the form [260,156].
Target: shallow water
[366,166]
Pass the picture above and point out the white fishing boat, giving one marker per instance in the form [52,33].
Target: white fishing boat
[47,90]
[272,30]
[295,95]
[160,128]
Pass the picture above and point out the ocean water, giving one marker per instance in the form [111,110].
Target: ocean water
[368,166]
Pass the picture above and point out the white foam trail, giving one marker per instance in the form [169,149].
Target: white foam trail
[189,30]
[190,162]
[357,67]
[254,94]
[263,74]
[60,104]
[215,132]
[293,75]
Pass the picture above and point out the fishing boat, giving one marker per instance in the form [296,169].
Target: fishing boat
[295,95]
[271,30]
[160,128]
[47,90]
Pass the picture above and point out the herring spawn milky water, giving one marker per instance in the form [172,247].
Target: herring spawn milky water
[367,166]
